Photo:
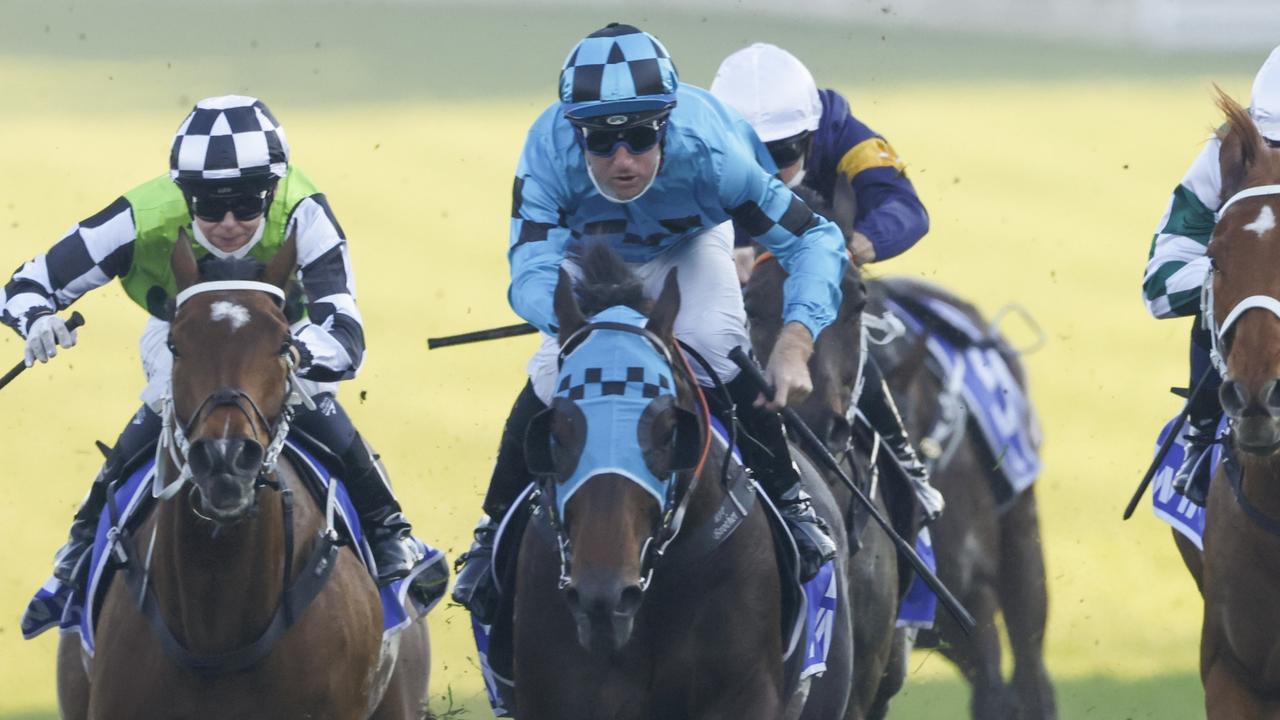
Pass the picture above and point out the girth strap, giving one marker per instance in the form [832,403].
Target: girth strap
[294,600]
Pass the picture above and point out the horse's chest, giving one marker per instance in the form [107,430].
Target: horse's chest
[1242,582]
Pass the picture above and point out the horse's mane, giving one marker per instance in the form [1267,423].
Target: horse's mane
[607,282]
[230,268]
[1246,159]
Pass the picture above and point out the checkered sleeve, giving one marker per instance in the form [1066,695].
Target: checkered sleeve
[88,256]
[809,246]
[538,236]
[1177,263]
[331,340]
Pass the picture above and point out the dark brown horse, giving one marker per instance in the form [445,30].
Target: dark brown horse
[611,619]
[991,557]
[873,572]
[221,560]
[1240,640]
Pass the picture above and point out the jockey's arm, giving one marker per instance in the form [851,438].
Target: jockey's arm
[537,242]
[330,342]
[808,246]
[1177,264]
[891,217]
[92,252]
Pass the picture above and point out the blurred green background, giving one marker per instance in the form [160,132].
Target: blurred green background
[1045,165]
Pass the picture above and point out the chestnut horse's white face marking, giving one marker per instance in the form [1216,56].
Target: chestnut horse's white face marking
[237,315]
[1265,222]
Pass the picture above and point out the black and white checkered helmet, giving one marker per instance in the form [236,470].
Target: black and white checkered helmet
[226,138]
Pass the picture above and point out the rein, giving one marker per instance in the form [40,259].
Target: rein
[173,447]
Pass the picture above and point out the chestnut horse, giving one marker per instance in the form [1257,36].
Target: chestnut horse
[874,570]
[990,556]
[225,630]
[1240,638]
[649,598]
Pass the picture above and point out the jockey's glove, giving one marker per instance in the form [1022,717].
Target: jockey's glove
[788,367]
[44,336]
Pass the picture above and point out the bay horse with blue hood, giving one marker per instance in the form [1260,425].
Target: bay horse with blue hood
[216,616]
[647,584]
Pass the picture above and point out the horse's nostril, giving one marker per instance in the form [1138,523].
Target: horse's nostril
[249,458]
[629,600]
[1271,397]
[1232,396]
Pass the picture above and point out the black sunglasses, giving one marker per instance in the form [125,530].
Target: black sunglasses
[244,207]
[788,151]
[604,142]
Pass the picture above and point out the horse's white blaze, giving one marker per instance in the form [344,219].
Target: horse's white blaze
[237,315]
[1265,222]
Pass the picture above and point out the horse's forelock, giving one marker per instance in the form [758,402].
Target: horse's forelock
[608,282]
[1245,158]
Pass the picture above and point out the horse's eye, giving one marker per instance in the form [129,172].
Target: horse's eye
[286,346]
[172,347]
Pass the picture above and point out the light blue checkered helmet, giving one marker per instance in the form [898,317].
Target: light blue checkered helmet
[617,76]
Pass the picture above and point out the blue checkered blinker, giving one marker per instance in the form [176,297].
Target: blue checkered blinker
[617,71]
[614,412]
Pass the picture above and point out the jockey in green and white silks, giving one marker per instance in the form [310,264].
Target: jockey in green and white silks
[1177,266]
[231,187]
[821,150]
[658,170]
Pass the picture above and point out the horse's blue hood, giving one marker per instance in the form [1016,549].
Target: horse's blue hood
[612,377]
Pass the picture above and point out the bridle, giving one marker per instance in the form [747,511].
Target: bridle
[174,445]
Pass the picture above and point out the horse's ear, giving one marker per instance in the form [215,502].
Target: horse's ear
[568,314]
[183,262]
[1242,145]
[280,270]
[662,318]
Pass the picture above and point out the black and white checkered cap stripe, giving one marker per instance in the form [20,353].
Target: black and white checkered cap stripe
[230,136]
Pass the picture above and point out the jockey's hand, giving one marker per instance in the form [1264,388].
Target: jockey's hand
[44,336]
[861,249]
[788,368]
[745,260]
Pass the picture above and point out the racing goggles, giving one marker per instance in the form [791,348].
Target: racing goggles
[639,138]
[788,151]
[244,206]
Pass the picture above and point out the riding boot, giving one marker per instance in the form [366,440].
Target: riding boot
[70,562]
[389,533]
[474,587]
[877,405]
[1204,411]
[1192,478]
[771,462]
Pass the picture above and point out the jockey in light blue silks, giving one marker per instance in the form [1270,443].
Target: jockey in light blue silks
[821,149]
[1177,266]
[660,170]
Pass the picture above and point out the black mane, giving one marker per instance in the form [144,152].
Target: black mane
[216,268]
[608,282]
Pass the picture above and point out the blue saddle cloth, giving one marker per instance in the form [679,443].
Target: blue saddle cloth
[1172,506]
[810,608]
[919,607]
[990,392]
[55,604]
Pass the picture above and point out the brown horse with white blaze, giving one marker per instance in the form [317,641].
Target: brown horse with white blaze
[216,555]
[1240,638]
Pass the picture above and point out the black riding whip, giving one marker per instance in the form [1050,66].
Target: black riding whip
[73,322]
[1168,443]
[819,452]
[505,331]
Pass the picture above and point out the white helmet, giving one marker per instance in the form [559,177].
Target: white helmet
[1264,106]
[773,90]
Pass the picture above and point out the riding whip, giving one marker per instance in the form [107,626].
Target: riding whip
[505,331]
[1168,443]
[819,451]
[73,322]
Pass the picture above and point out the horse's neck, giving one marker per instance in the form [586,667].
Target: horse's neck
[220,589]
